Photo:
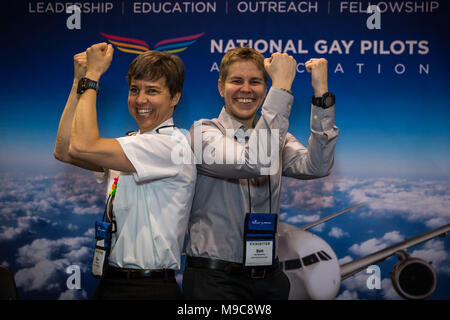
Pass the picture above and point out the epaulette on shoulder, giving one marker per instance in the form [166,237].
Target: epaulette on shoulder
[131,133]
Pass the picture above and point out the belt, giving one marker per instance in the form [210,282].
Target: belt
[231,267]
[139,273]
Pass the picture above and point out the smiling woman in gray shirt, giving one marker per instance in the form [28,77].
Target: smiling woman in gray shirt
[240,161]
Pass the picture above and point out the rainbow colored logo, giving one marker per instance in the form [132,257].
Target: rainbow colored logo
[137,46]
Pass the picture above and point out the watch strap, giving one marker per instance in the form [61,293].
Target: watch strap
[327,100]
[85,84]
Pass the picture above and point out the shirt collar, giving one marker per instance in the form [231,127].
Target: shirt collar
[229,122]
[168,122]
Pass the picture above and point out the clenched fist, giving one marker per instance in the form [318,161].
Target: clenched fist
[79,65]
[99,57]
[282,69]
[318,69]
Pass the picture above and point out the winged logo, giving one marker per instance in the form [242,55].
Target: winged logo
[136,46]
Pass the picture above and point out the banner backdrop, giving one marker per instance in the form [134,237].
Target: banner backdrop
[390,73]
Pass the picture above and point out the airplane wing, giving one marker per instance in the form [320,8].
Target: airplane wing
[315,223]
[355,266]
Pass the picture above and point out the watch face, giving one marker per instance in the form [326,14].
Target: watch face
[85,84]
[328,101]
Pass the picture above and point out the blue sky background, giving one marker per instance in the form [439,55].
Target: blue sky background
[392,127]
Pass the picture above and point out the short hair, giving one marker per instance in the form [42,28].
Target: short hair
[242,54]
[153,65]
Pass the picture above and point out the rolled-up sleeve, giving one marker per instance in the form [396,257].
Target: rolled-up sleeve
[318,158]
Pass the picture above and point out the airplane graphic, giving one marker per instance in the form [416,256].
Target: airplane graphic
[173,45]
[314,271]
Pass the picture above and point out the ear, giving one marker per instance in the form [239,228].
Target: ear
[220,87]
[175,99]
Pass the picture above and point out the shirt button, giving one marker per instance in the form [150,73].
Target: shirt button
[315,117]
[289,106]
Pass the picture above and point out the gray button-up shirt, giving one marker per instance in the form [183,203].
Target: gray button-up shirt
[229,180]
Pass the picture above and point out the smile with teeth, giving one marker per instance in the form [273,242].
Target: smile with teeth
[143,112]
[244,100]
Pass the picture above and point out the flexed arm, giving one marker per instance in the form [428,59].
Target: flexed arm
[61,151]
[318,158]
[85,141]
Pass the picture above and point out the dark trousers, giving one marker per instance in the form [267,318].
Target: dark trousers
[207,284]
[138,289]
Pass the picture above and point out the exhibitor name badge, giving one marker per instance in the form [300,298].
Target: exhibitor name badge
[259,238]
[259,253]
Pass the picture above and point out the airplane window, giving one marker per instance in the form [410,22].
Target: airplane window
[292,264]
[327,255]
[322,256]
[309,260]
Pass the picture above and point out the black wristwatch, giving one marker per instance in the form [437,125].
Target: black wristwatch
[85,84]
[327,100]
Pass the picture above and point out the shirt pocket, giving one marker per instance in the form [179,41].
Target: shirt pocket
[124,195]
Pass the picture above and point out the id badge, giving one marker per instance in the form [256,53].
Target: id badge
[100,255]
[259,239]
[103,231]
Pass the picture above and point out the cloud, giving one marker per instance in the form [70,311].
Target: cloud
[424,201]
[388,291]
[45,262]
[393,237]
[373,245]
[51,200]
[367,247]
[9,233]
[31,209]
[345,260]
[356,288]
[78,255]
[72,227]
[28,202]
[307,195]
[302,219]
[23,224]
[357,282]
[43,276]
[44,249]
[73,295]
[434,251]
[337,233]
[416,201]
[348,295]
[89,233]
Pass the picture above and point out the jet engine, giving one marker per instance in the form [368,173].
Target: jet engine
[413,278]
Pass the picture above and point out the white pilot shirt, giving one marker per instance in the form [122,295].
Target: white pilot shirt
[152,205]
